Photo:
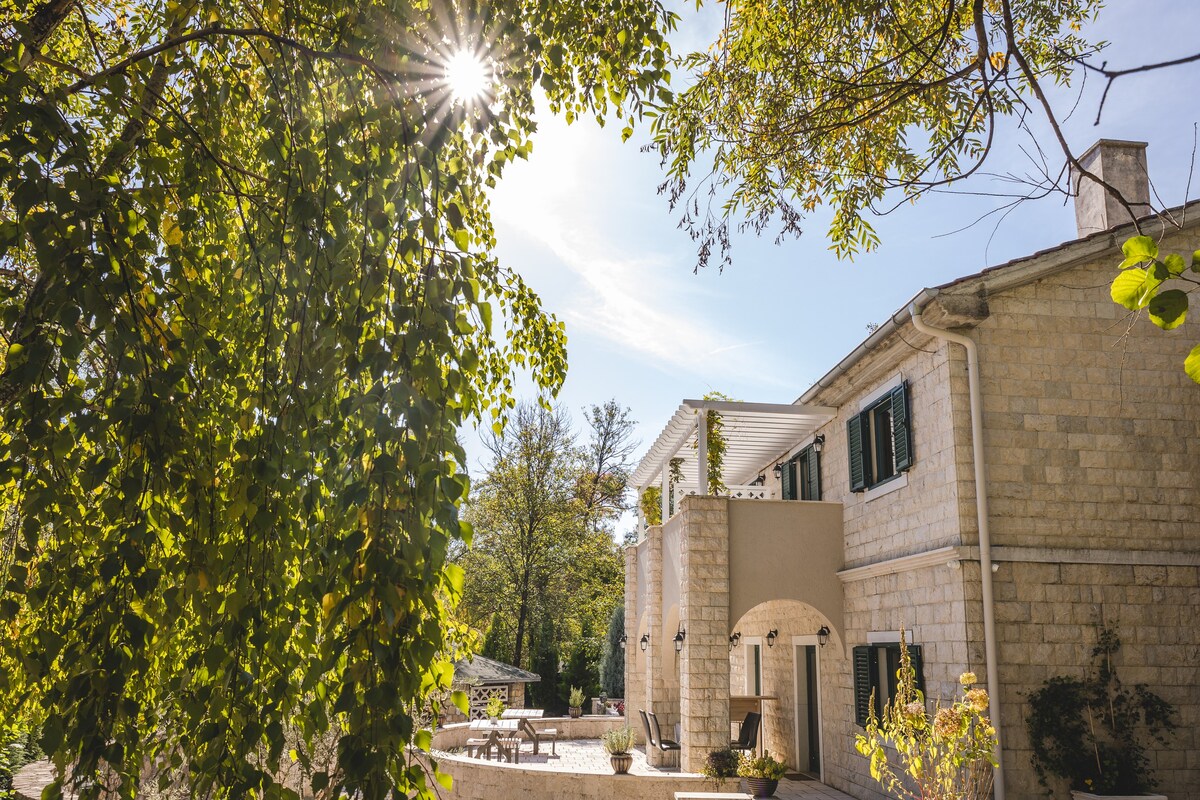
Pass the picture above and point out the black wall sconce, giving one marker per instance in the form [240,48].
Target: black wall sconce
[771,635]
[679,637]
[819,442]
[777,470]
[734,638]
[645,641]
[624,638]
[823,636]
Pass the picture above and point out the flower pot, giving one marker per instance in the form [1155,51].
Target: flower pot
[621,762]
[762,787]
[575,711]
[1078,795]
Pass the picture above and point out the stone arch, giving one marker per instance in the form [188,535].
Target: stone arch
[790,618]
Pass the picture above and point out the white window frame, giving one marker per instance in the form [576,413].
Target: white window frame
[747,643]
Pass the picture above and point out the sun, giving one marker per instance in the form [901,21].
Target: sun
[467,75]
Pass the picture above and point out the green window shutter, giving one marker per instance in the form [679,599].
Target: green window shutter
[854,436]
[918,665]
[901,430]
[812,477]
[864,657]
[788,479]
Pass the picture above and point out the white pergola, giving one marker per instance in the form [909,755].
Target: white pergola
[754,434]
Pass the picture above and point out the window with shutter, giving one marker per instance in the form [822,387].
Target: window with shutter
[875,668]
[880,440]
[788,480]
[854,436]
[864,658]
[809,473]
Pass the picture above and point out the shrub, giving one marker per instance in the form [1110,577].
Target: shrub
[576,697]
[950,755]
[619,740]
[761,767]
[720,764]
[1092,732]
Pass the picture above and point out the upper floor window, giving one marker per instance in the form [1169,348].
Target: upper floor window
[880,440]
[801,478]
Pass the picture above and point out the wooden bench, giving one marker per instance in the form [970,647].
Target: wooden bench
[537,734]
[510,747]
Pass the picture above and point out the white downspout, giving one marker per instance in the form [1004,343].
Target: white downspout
[985,540]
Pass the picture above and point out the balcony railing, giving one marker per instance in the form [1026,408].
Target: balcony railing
[736,492]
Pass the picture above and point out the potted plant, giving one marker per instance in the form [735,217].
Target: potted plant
[720,765]
[618,742]
[495,707]
[1092,731]
[575,703]
[762,774]
[947,755]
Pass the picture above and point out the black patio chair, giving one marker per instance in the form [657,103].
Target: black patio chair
[662,744]
[748,735]
[649,736]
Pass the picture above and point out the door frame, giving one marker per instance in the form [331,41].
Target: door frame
[804,641]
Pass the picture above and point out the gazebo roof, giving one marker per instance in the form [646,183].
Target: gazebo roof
[481,669]
[754,434]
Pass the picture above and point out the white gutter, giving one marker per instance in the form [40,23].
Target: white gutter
[981,511]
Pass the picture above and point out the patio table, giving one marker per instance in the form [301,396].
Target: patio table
[523,716]
[495,731]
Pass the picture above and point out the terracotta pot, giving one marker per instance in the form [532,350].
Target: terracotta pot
[575,711]
[1078,795]
[621,762]
[762,787]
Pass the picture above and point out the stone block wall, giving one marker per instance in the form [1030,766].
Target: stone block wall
[704,614]
[1092,427]
[929,603]
[1048,616]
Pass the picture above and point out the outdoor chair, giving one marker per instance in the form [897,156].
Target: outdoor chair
[536,735]
[649,736]
[665,745]
[748,735]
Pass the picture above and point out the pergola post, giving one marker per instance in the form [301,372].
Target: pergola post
[702,451]
[666,493]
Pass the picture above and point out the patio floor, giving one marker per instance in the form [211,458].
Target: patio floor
[589,756]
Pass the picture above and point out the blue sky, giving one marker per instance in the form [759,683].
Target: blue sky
[582,222]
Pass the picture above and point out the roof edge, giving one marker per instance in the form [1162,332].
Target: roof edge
[1072,252]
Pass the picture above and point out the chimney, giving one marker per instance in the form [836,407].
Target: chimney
[1120,164]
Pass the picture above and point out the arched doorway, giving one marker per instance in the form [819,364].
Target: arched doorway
[777,664]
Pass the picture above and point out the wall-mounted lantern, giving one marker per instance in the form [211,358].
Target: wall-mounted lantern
[734,638]
[679,637]
[823,636]
[645,641]
[771,635]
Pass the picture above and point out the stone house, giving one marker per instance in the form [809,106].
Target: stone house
[1001,467]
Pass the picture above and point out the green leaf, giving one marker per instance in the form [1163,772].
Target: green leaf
[1169,309]
[1134,288]
[1174,263]
[1137,250]
[461,701]
[446,780]
[1191,364]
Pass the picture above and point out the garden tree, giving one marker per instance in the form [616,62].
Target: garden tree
[609,460]
[582,669]
[495,642]
[544,693]
[867,105]
[537,548]
[612,659]
[247,299]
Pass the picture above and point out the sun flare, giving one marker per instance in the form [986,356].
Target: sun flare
[467,75]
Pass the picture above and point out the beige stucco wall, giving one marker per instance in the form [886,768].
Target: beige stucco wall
[786,549]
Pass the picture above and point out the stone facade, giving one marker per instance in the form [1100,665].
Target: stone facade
[1091,439]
